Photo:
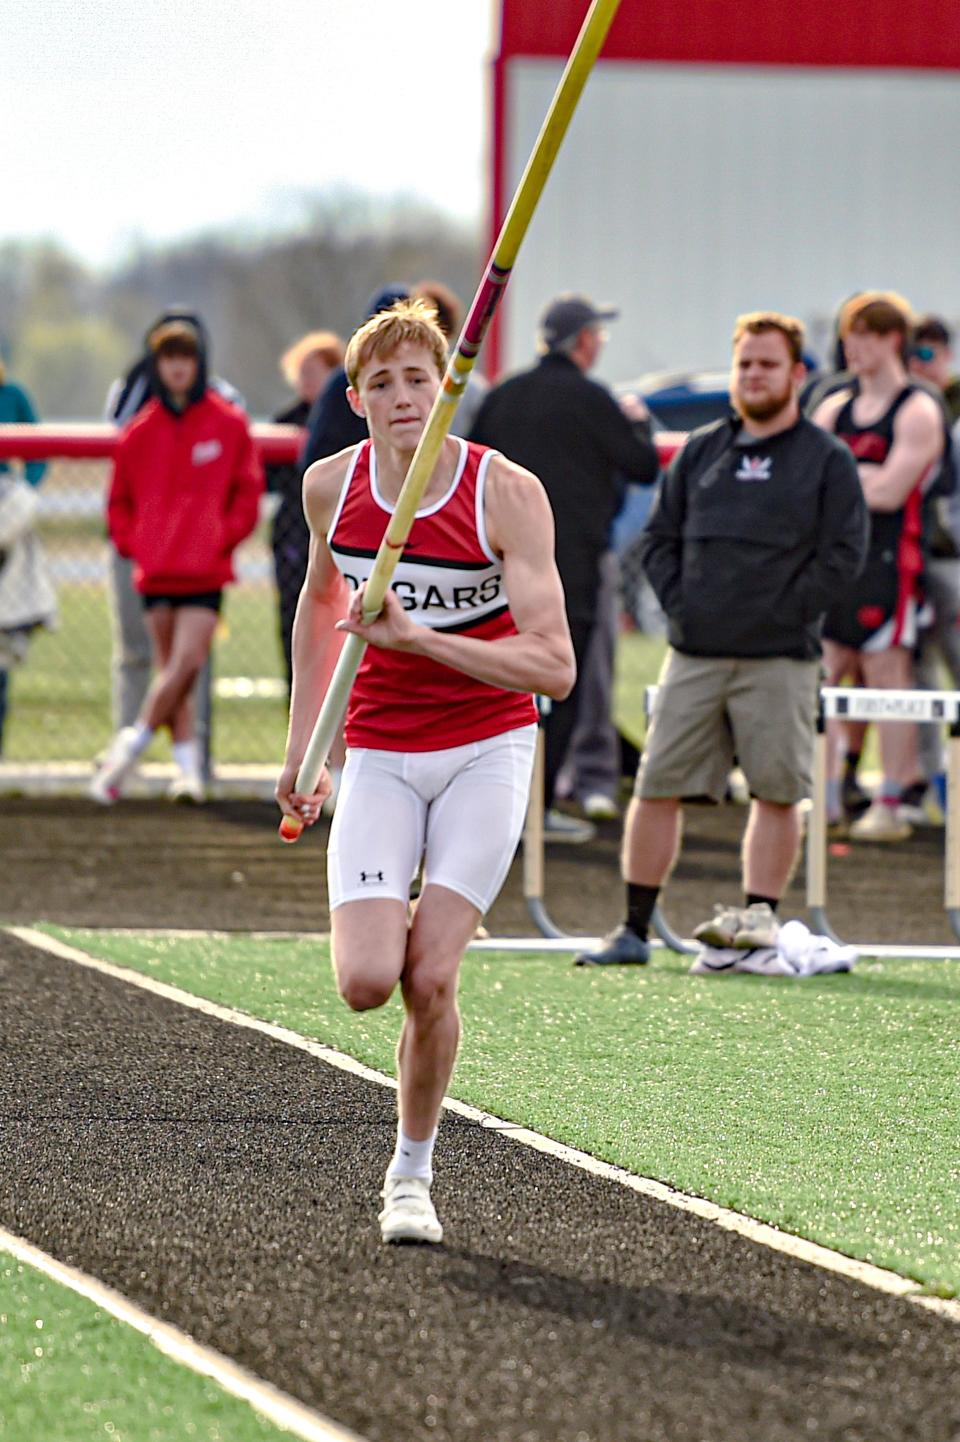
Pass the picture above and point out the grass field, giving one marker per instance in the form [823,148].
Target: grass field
[60,702]
[70,1371]
[824,1106]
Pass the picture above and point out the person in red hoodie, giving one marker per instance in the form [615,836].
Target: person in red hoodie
[185,492]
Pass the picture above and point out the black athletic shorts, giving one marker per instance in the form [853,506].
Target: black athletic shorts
[208,600]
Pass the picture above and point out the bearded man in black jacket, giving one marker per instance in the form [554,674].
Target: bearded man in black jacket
[568,429]
[760,526]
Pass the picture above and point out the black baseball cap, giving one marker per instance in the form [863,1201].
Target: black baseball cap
[568,314]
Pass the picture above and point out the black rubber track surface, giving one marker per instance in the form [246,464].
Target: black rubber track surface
[229,1184]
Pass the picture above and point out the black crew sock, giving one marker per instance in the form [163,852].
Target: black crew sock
[750,897]
[640,903]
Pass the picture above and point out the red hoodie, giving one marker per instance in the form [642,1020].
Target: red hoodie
[185,492]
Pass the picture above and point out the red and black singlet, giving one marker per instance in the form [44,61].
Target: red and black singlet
[448,578]
[880,609]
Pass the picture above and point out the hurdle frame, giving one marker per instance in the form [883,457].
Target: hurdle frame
[848,703]
[857,703]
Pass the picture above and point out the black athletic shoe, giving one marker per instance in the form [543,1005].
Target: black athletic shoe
[854,799]
[622,947]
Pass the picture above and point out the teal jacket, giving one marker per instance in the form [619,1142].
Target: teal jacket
[16,408]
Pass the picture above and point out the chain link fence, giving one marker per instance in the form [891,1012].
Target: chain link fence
[60,704]
[58,683]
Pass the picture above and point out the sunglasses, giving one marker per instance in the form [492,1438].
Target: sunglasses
[923,352]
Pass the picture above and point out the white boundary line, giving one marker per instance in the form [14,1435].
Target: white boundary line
[269,1401]
[879,1278]
[868,950]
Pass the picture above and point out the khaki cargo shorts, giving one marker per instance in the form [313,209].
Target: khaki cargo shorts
[712,713]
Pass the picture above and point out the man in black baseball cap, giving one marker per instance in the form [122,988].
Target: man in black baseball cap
[565,317]
[569,430]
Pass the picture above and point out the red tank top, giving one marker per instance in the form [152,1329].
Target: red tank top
[448,578]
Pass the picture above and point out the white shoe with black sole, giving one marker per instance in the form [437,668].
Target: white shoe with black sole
[408,1214]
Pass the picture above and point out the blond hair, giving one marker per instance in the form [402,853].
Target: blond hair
[759,322]
[880,311]
[322,343]
[408,322]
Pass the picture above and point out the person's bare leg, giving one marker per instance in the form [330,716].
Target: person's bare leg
[771,844]
[899,754]
[839,663]
[368,946]
[193,628]
[651,840]
[443,924]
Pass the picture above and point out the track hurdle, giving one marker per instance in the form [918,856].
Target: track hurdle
[853,704]
[534,869]
[862,704]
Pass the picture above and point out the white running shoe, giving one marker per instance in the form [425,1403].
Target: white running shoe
[187,787]
[120,760]
[408,1214]
[880,823]
[719,932]
[758,927]
[599,807]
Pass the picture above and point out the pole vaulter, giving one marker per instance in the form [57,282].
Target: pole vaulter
[589,43]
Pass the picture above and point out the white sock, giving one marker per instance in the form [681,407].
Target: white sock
[412,1159]
[141,738]
[187,756]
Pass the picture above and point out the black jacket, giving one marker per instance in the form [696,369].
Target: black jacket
[571,433]
[331,424]
[749,541]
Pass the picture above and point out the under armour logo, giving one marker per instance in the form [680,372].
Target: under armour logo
[755,468]
[366,876]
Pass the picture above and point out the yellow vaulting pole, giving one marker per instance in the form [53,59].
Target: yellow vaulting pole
[589,44]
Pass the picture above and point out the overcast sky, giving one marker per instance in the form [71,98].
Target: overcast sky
[151,119]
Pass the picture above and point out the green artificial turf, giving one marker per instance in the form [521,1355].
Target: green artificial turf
[825,1105]
[71,1372]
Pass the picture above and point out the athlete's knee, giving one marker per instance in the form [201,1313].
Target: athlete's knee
[363,992]
[429,990]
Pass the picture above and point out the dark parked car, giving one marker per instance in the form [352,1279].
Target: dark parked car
[682,400]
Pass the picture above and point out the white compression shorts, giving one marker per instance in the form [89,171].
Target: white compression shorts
[460,811]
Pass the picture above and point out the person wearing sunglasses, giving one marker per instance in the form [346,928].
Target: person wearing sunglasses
[930,357]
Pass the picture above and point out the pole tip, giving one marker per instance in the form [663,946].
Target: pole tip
[290,829]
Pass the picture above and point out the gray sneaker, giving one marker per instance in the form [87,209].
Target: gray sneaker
[567,829]
[758,927]
[722,927]
[622,947]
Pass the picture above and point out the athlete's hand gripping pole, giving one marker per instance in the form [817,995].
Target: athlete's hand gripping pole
[589,43]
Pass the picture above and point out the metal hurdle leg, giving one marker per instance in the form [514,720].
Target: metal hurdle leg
[533,868]
[951,889]
[861,704]
[669,937]
[817,833]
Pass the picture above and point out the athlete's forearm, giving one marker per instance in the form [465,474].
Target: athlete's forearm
[541,663]
[316,646]
[884,491]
